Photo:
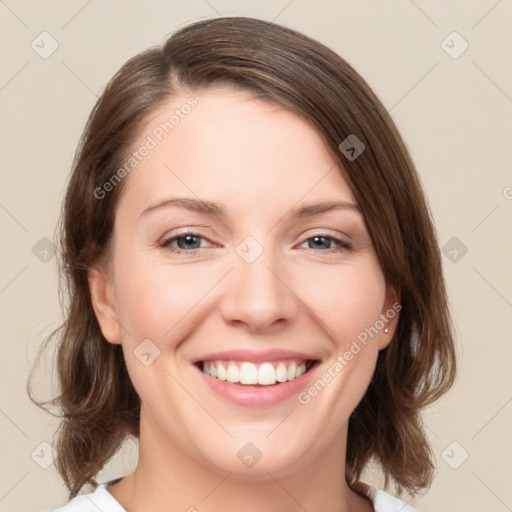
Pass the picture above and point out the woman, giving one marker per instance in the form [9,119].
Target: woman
[255,287]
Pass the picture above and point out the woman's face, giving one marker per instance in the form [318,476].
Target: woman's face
[239,250]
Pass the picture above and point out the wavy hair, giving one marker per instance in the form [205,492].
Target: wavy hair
[98,404]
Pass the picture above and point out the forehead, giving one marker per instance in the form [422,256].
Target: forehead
[232,147]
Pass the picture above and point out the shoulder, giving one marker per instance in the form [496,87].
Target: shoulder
[100,499]
[384,502]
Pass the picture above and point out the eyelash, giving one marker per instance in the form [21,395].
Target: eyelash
[165,244]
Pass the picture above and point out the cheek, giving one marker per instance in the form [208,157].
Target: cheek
[348,300]
[155,299]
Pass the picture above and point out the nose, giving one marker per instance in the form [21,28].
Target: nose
[259,295]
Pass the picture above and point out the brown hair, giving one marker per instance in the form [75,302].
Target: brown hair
[98,403]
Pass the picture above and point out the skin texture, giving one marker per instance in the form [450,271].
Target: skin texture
[259,161]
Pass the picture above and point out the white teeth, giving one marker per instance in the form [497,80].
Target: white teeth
[221,371]
[264,374]
[281,373]
[292,370]
[233,374]
[248,373]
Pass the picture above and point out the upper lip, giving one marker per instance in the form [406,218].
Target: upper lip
[255,356]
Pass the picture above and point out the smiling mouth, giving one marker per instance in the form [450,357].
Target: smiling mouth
[262,374]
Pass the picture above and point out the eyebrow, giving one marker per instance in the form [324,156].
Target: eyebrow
[210,208]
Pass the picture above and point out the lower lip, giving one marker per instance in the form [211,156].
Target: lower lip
[256,396]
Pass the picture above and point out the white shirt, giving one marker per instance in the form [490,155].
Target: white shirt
[102,500]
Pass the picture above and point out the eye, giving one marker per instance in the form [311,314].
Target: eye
[191,242]
[186,242]
[326,243]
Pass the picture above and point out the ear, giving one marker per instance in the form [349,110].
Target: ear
[102,296]
[389,315]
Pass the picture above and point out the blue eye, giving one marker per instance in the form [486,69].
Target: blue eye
[188,242]
[326,243]
[192,242]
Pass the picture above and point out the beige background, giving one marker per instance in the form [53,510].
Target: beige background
[454,113]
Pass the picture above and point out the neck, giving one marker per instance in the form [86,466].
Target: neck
[168,478]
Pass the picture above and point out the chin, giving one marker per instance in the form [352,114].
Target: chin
[261,453]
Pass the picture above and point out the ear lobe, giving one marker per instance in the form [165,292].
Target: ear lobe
[102,297]
[390,314]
